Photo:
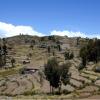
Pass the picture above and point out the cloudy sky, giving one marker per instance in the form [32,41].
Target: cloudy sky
[50,17]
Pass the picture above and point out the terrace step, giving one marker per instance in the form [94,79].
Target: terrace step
[76,83]
[90,77]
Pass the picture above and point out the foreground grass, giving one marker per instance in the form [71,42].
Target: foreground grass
[39,97]
[71,96]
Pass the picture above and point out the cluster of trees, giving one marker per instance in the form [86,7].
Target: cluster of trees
[68,55]
[90,52]
[50,48]
[57,74]
[3,52]
[52,38]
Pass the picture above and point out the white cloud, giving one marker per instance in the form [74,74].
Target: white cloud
[7,30]
[74,34]
[68,33]
[94,35]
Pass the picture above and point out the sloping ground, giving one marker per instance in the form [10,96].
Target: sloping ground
[19,84]
[97,82]
[82,84]
[68,87]
[94,97]
[11,86]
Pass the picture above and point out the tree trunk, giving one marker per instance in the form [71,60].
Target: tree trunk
[59,89]
[12,64]
[50,89]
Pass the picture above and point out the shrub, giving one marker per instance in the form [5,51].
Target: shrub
[68,55]
[66,91]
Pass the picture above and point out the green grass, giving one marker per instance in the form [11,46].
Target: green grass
[11,71]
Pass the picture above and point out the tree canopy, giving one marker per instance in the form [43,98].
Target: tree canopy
[91,52]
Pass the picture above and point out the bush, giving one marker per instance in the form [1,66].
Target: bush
[65,75]
[49,49]
[66,91]
[68,55]
[22,71]
[29,93]
[82,65]
[71,55]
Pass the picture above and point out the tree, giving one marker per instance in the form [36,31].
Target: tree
[32,44]
[64,74]
[1,60]
[83,55]
[68,55]
[84,61]
[57,42]
[3,52]
[12,62]
[78,38]
[49,49]
[42,39]
[59,47]
[29,55]
[71,55]
[53,53]
[57,74]
[4,49]
[52,73]
[90,52]
[52,38]
[4,41]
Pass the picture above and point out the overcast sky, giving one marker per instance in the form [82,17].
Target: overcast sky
[50,17]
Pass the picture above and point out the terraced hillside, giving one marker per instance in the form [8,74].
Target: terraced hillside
[32,83]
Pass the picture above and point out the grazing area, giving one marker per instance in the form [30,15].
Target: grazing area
[49,67]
